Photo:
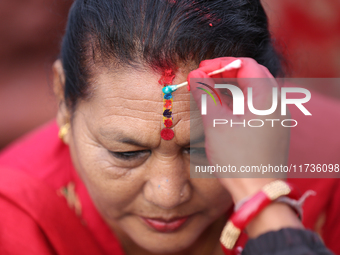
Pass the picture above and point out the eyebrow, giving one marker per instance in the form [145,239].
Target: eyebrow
[120,137]
[130,141]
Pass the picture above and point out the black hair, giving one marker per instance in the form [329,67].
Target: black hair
[161,34]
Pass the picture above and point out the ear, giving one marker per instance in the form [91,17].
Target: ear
[63,114]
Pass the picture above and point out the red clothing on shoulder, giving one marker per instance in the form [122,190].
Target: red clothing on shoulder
[34,219]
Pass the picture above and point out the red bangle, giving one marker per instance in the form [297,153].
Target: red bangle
[249,209]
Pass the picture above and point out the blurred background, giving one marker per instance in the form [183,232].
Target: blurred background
[307,32]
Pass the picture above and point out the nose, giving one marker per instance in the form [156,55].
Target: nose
[168,183]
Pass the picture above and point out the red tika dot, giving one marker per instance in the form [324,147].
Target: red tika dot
[168,104]
[168,123]
[167,134]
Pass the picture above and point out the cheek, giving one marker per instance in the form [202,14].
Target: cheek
[112,189]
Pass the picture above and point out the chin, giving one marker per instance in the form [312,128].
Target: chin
[166,243]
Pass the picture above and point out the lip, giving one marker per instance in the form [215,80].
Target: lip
[165,226]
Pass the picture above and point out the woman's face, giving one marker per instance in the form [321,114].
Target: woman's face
[139,182]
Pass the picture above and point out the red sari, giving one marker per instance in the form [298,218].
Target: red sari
[36,219]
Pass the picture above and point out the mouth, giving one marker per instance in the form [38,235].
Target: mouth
[166,226]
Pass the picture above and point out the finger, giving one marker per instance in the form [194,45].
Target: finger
[210,101]
[251,69]
[258,78]
[211,65]
[215,63]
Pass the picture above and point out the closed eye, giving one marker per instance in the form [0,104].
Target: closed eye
[226,92]
[195,151]
[130,155]
[197,155]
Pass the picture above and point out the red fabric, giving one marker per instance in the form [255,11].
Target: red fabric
[45,159]
[309,36]
[44,220]
[316,140]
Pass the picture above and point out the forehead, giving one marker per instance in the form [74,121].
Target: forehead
[129,103]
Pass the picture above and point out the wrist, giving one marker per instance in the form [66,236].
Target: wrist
[272,218]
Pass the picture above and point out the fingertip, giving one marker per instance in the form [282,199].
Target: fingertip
[211,65]
[252,69]
[266,70]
